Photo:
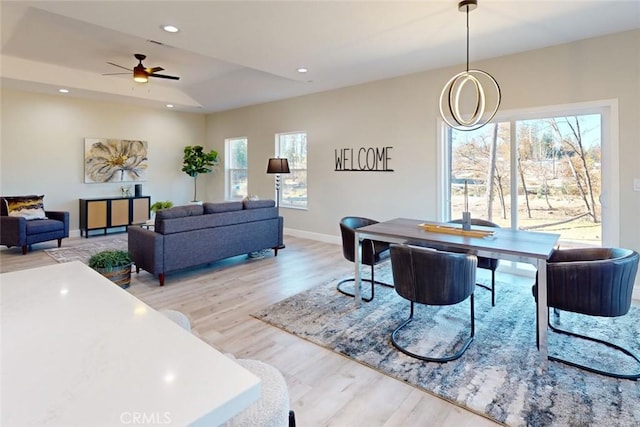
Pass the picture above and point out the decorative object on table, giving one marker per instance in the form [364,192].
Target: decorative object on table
[197,161]
[114,264]
[138,190]
[499,376]
[115,160]
[592,282]
[24,221]
[125,190]
[278,166]
[487,91]
[466,215]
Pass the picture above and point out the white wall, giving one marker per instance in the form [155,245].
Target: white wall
[42,148]
[42,136]
[403,113]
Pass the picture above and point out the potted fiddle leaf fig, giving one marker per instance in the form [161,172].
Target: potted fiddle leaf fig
[113,264]
[197,161]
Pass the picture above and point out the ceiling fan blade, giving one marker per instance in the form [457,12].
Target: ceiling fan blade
[163,76]
[119,66]
[153,70]
[115,74]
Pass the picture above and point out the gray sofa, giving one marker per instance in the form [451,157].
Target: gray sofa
[188,236]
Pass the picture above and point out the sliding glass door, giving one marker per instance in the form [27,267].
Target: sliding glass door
[543,173]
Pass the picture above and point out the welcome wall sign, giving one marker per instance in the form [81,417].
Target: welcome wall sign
[363,159]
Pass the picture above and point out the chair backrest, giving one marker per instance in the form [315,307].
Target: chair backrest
[347,226]
[427,276]
[593,281]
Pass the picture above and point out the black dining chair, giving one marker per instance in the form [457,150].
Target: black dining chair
[373,252]
[427,276]
[593,282]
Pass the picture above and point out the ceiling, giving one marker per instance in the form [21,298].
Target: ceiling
[231,54]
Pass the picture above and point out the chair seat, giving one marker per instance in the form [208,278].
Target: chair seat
[39,226]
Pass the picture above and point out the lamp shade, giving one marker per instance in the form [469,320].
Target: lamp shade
[277,165]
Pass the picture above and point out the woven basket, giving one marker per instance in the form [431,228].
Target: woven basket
[121,276]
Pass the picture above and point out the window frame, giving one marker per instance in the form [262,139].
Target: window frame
[610,194]
[228,142]
[293,169]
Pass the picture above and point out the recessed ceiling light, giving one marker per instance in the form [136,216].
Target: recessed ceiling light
[63,90]
[169,105]
[170,28]
[302,70]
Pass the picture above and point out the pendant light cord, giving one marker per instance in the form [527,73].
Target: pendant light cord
[467,38]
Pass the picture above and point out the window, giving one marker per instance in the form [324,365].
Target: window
[541,171]
[293,186]
[235,168]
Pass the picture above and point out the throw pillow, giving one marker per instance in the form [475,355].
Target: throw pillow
[28,207]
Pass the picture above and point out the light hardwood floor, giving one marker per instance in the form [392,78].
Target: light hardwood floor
[326,389]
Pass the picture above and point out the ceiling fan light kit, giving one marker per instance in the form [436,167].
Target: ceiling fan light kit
[142,74]
[471,109]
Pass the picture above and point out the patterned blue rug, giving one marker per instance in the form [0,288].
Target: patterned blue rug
[499,375]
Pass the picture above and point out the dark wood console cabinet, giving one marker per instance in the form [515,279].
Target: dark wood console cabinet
[110,212]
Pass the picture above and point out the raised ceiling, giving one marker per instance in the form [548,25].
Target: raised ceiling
[230,54]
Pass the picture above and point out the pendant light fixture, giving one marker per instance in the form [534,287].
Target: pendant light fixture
[474,107]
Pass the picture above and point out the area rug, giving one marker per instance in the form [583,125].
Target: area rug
[499,376]
[84,251]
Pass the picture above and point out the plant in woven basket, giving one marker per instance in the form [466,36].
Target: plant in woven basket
[113,264]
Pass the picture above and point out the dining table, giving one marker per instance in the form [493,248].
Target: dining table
[499,243]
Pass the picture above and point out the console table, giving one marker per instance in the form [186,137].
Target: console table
[104,213]
[78,350]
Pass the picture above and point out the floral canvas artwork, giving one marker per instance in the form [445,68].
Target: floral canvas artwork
[114,160]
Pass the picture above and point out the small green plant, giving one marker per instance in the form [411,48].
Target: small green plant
[165,204]
[110,259]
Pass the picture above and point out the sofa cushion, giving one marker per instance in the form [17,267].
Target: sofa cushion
[179,212]
[210,208]
[27,207]
[256,204]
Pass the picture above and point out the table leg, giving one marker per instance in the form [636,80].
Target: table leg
[542,310]
[356,274]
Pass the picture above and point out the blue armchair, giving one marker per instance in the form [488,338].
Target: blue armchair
[22,232]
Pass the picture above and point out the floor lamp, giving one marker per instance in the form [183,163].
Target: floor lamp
[278,166]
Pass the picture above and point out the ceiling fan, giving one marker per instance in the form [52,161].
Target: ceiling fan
[140,73]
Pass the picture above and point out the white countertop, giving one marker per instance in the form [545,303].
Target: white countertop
[77,350]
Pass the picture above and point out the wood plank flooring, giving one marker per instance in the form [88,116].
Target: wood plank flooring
[326,389]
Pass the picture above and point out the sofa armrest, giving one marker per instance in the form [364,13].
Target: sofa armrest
[13,231]
[146,248]
[60,216]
